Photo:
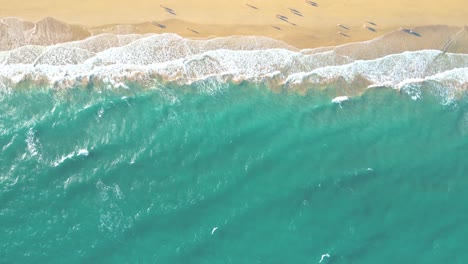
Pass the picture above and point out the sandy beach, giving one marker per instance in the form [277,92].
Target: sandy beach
[312,26]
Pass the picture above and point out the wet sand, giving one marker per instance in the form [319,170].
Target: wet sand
[313,26]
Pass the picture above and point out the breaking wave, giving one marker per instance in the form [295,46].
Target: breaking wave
[113,61]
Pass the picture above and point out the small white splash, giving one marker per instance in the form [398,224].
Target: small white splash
[214,230]
[63,158]
[83,152]
[9,143]
[411,87]
[13,182]
[67,182]
[379,85]
[340,99]
[323,257]
[32,143]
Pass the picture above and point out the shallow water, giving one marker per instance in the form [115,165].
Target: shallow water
[238,175]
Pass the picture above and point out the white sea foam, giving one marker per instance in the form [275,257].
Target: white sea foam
[111,61]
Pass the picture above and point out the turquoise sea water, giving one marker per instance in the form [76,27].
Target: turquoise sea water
[240,175]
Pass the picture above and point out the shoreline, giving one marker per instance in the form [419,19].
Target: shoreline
[127,60]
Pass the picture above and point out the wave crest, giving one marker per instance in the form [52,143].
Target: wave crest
[114,61]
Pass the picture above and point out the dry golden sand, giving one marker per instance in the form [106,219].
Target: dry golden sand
[211,18]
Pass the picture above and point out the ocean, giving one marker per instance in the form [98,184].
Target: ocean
[233,173]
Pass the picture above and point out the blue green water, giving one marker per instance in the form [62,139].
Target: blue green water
[242,175]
